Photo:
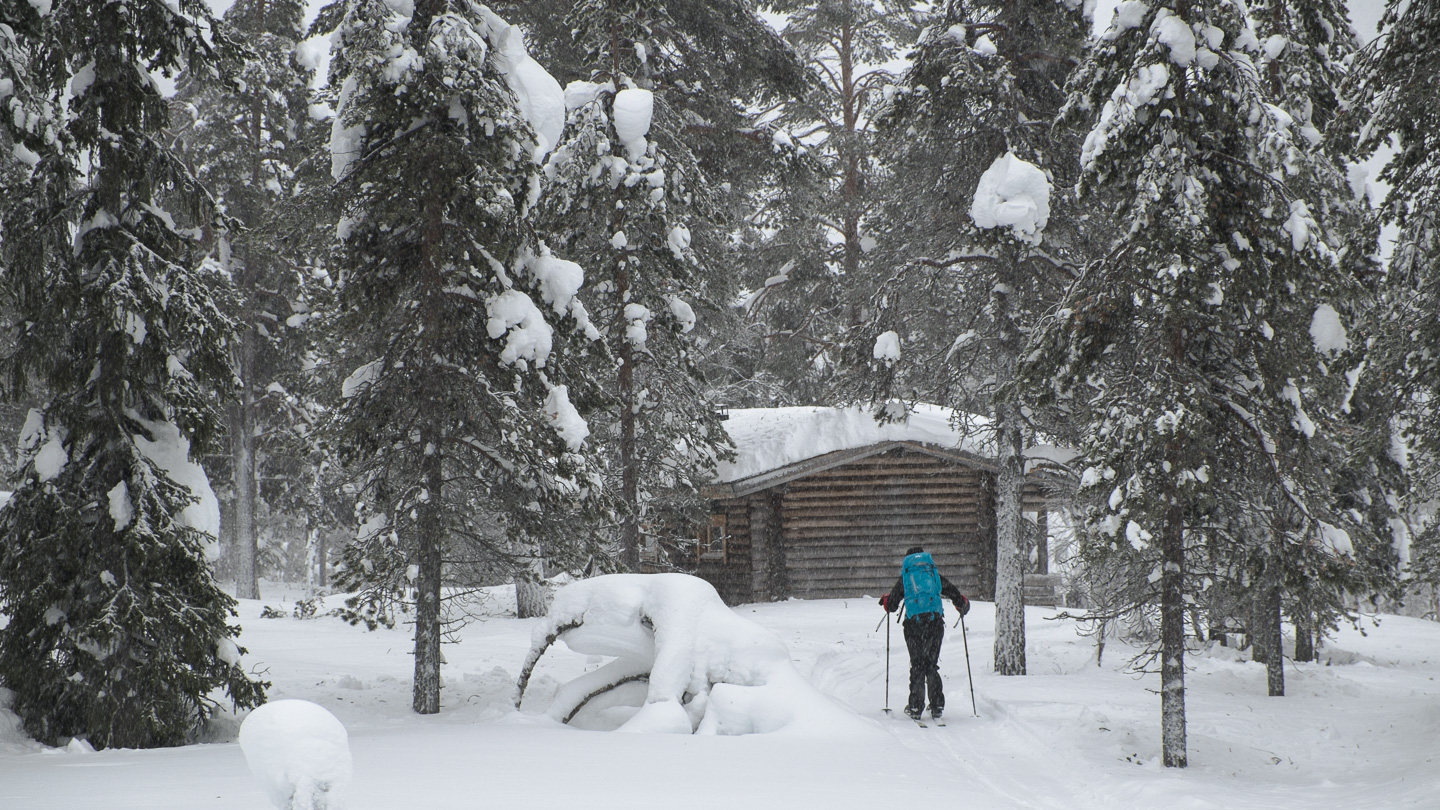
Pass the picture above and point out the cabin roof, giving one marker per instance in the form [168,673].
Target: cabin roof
[773,438]
[777,445]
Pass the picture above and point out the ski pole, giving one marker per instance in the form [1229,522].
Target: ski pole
[964,637]
[887,660]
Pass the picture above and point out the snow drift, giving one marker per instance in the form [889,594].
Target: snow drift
[704,670]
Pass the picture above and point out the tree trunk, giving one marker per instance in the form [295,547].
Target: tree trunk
[315,536]
[531,597]
[1304,635]
[1010,556]
[1172,638]
[427,585]
[1265,627]
[242,449]
[1275,658]
[1042,542]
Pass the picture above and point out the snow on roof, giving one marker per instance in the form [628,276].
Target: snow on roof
[771,438]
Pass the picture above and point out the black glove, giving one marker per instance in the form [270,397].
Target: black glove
[963,605]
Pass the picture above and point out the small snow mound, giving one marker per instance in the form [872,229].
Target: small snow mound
[299,753]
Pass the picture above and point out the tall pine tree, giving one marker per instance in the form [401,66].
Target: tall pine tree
[976,179]
[459,420]
[244,141]
[1195,353]
[1394,97]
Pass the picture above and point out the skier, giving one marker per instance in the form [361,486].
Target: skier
[921,587]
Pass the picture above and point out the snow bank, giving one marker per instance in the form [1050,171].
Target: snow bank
[1015,194]
[708,670]
[770,438]
[13,739]
[299,753]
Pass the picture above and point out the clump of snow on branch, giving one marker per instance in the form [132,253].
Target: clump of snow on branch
[565,418]
[1128,14]
[344,140]
[887,348]
[45,445]
[299,753]
[540,97]
[167,449]
[528,337]
[1327,331]
[634,109]
[704,669]
[1013,194]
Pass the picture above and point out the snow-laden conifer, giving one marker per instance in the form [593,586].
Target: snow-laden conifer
[627,199]
[1200,353]
[460,415]
[245,138]
[980,235]
[1394,99]
[117,631]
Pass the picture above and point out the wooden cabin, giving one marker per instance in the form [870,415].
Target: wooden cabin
[822,503]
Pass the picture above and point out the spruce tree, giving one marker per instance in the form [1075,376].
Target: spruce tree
[459,420]
[1196,353]
[1305,47]
[117,630]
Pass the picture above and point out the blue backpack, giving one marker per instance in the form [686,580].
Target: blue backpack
[922,585]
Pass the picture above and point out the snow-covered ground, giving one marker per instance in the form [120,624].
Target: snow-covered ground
[1360,730]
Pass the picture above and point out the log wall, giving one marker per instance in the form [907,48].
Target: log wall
[842,532]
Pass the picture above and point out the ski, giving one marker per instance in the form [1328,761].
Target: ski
[919,722]
[937,721]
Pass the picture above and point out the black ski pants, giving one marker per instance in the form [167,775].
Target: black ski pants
[923,636]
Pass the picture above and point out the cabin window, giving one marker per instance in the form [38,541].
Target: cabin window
[712,539]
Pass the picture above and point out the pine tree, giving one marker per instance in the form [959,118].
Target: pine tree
[1305,48]
[970,121]
[627,199]
[811,243]
[459,419]
[118,632]
[245,141]
[1394,97]
[1196,353]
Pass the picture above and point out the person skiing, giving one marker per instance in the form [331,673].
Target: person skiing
[920,588]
